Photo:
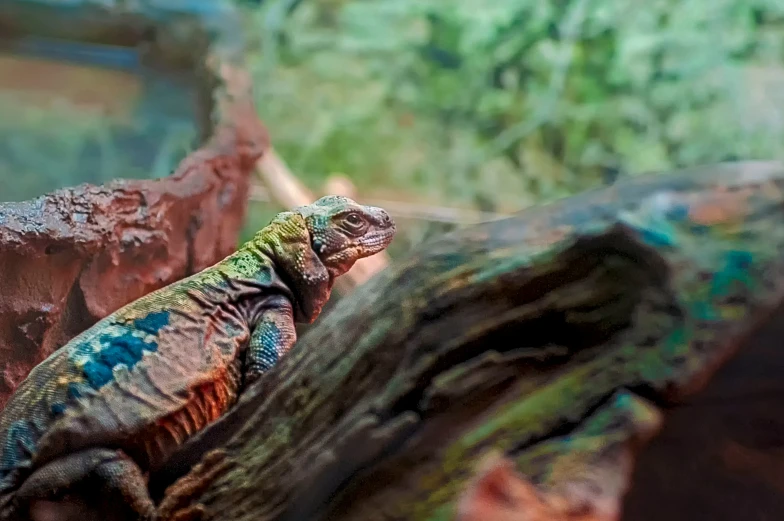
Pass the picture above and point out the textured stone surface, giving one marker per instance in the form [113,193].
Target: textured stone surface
[73,256]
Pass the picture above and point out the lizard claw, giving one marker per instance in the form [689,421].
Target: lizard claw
[251,376]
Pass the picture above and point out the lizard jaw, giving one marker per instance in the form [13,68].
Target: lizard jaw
[370,244]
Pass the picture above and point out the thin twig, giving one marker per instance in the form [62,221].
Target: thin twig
[405,210]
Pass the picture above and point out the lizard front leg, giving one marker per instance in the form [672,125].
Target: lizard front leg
[272,337]
[102,476]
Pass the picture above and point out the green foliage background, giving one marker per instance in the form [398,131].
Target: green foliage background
[496,104]
[491,105]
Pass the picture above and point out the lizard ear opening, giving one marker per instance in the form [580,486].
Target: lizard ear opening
[305,274]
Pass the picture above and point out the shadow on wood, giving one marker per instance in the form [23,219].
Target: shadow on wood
[721,455]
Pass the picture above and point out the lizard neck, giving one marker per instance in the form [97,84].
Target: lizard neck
[287,244]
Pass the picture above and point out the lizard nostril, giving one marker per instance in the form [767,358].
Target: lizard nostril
[385,218]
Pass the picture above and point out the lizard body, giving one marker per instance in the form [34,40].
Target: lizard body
[118,398]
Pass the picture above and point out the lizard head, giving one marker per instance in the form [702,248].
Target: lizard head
[343,231]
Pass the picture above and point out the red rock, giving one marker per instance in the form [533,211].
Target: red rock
[73,256]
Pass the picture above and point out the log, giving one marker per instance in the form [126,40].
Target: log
[509,370]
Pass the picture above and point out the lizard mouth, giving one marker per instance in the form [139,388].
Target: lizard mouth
[377,240]
[371,243]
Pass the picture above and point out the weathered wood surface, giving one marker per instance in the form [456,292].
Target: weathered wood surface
[552,337]
[720,456]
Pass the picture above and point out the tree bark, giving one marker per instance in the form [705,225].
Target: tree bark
[508,338]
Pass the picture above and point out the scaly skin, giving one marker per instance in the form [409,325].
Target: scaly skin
[117,399]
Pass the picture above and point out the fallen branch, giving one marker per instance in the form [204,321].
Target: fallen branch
[546,339]
[404,210]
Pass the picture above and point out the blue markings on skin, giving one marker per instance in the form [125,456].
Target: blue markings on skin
[264,346]
[126,349]
[57,409]
[152,323]
[98,373]
[20,440]
[73,391]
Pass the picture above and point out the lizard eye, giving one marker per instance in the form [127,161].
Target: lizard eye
[354,223]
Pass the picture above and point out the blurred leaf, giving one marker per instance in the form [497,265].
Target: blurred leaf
[423,95]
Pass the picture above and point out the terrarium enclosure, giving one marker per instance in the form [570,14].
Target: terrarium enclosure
[92,91]
[132,155]
[127,145]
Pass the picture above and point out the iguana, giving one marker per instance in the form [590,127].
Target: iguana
[119,397]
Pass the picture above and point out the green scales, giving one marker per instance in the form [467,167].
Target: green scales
[94,90]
